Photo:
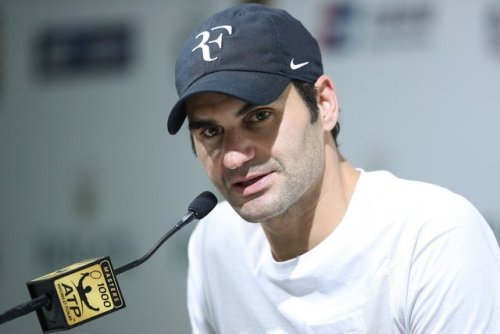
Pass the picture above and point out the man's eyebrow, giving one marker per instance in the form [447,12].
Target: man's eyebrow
[193,125]
[245,109]
[198,124]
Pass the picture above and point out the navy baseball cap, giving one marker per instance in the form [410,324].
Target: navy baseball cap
[250,52]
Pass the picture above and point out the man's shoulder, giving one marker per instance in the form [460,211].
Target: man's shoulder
[385,186]
[401,209]
[419,201]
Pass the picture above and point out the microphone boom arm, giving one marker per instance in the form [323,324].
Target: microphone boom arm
[198,209]
[184,221]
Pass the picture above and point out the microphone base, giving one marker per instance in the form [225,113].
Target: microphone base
[78,293]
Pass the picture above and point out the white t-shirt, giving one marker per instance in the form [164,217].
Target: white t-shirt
[408,257]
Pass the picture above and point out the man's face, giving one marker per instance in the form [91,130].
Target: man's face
[263,159]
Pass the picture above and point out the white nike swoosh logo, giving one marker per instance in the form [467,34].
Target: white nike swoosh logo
[297,66]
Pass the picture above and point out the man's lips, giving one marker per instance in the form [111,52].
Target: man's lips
[248,181]
[250,184]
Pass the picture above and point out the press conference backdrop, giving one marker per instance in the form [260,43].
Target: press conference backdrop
[87,168]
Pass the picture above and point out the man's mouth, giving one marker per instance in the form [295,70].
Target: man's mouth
[250,185]
[248,182]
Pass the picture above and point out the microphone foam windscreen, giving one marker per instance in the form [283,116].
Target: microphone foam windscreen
[203,204]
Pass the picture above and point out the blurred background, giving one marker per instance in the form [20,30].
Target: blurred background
[88,169]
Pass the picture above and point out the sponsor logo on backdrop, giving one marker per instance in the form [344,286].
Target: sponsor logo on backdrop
[86,48]
[346,26]
[493,24]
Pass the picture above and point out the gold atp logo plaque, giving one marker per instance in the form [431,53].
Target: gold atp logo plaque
[79,293]
[88,293]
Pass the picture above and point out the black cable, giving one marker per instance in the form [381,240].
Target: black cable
[25,308]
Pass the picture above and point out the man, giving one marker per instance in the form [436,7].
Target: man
[305,242]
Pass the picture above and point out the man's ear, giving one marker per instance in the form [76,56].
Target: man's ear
[327,102]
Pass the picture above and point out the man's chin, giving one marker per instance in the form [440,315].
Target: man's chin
[256,210]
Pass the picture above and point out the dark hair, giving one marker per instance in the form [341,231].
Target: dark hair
[308,93]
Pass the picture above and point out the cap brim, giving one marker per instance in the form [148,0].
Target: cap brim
[252,87]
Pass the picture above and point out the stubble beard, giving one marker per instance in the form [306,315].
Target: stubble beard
[289,190]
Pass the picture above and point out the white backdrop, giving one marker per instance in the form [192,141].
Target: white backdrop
[417,83]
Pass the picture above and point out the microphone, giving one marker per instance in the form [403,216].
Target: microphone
[199,208]
[88,289]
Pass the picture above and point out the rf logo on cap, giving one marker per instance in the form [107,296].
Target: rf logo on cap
[205,38]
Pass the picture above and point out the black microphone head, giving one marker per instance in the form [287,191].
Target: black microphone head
[203,204]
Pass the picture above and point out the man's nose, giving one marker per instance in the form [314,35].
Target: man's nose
[237,151]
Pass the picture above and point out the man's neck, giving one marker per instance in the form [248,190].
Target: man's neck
[316,215]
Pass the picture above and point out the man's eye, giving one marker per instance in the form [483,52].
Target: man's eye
[260,115]
[211,131]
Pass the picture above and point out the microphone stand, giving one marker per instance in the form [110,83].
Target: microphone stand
[44,300]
